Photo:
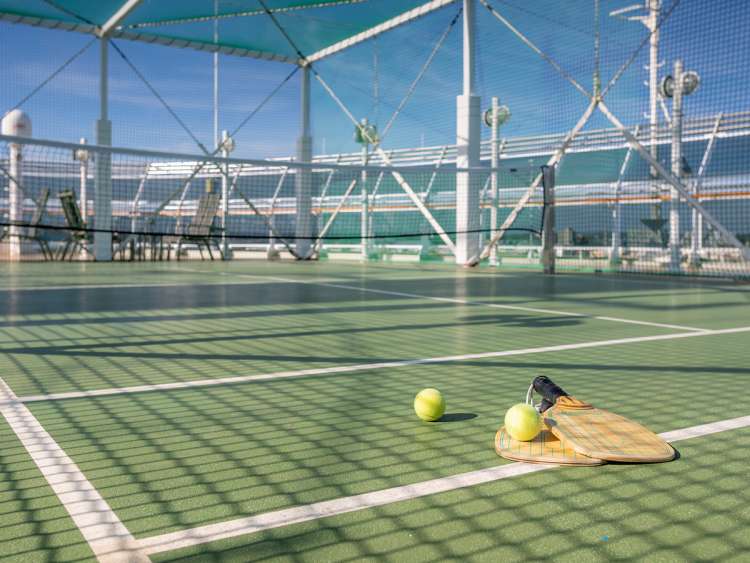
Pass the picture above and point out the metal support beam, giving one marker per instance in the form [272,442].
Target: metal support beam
[400,180]
[118,17]
[241,14]
[303,176]
[103,177]
[696,243]
[332,218]
[652,24]
[725,233]
[217,140]
[674,195]
[90,29]
[224,195]
[365,218]
[494,163]
[615,250]
[554,159]
[468,123]
[272,253]
[15,200]
[406,17]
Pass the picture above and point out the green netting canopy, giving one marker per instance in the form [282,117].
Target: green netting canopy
[243,27]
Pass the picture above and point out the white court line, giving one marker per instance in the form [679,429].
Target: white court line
[373,366]
[107,537]
[648,323]
[348,287]
[458,301]
[112,286]
[297,514]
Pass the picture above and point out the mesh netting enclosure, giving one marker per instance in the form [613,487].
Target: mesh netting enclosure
[641,109]
[175,206]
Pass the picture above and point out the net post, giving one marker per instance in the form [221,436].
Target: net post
[548,224]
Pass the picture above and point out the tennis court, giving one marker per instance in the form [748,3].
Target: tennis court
[249,411]
[239,238]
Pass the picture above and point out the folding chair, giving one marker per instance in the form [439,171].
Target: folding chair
[200,230]
[32,231]
[77,235]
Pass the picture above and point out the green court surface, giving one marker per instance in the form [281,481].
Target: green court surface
[33,524]
[326,360]
[684,511]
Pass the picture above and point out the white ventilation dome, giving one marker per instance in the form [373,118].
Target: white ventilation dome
[17,123]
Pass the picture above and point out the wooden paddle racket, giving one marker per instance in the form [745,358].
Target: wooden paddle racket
[545,448]
[598,433]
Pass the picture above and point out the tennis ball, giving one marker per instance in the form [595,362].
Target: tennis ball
[429,404]
[523,422]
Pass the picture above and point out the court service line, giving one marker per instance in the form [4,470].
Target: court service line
[461,301]
[373,366]
[106,535]
[298,514]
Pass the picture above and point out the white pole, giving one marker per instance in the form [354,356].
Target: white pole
[216,77]
[303,177]
[467,148]
[15,201]
[674,201]
[365,222]
[17,123]
[224,195]
[495,162]
[83,158]
[653,73]
[103,178]
[468,48]
[84,178]
[652,22]
[615,250]
[696,243]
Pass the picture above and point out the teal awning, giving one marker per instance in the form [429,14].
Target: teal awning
[244,28]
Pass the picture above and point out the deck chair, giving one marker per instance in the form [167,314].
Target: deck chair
[77,235]
[32,231]
[200,230]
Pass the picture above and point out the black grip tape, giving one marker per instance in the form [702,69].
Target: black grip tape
[544,405]
[547,389]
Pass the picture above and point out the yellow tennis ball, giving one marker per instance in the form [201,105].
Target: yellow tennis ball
[429,404]
[523,422]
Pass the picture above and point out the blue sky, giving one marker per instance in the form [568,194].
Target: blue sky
[710,36]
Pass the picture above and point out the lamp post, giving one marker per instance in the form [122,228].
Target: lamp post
[681,83]
[227,146]
[365,134]
[494,117]
[651,20]
[83,156]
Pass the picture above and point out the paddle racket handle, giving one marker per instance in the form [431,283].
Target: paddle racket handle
[547,389]
[544,405]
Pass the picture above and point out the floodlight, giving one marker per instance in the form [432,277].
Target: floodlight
[366,133]
[503,115]
[81,155]
[690,82]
